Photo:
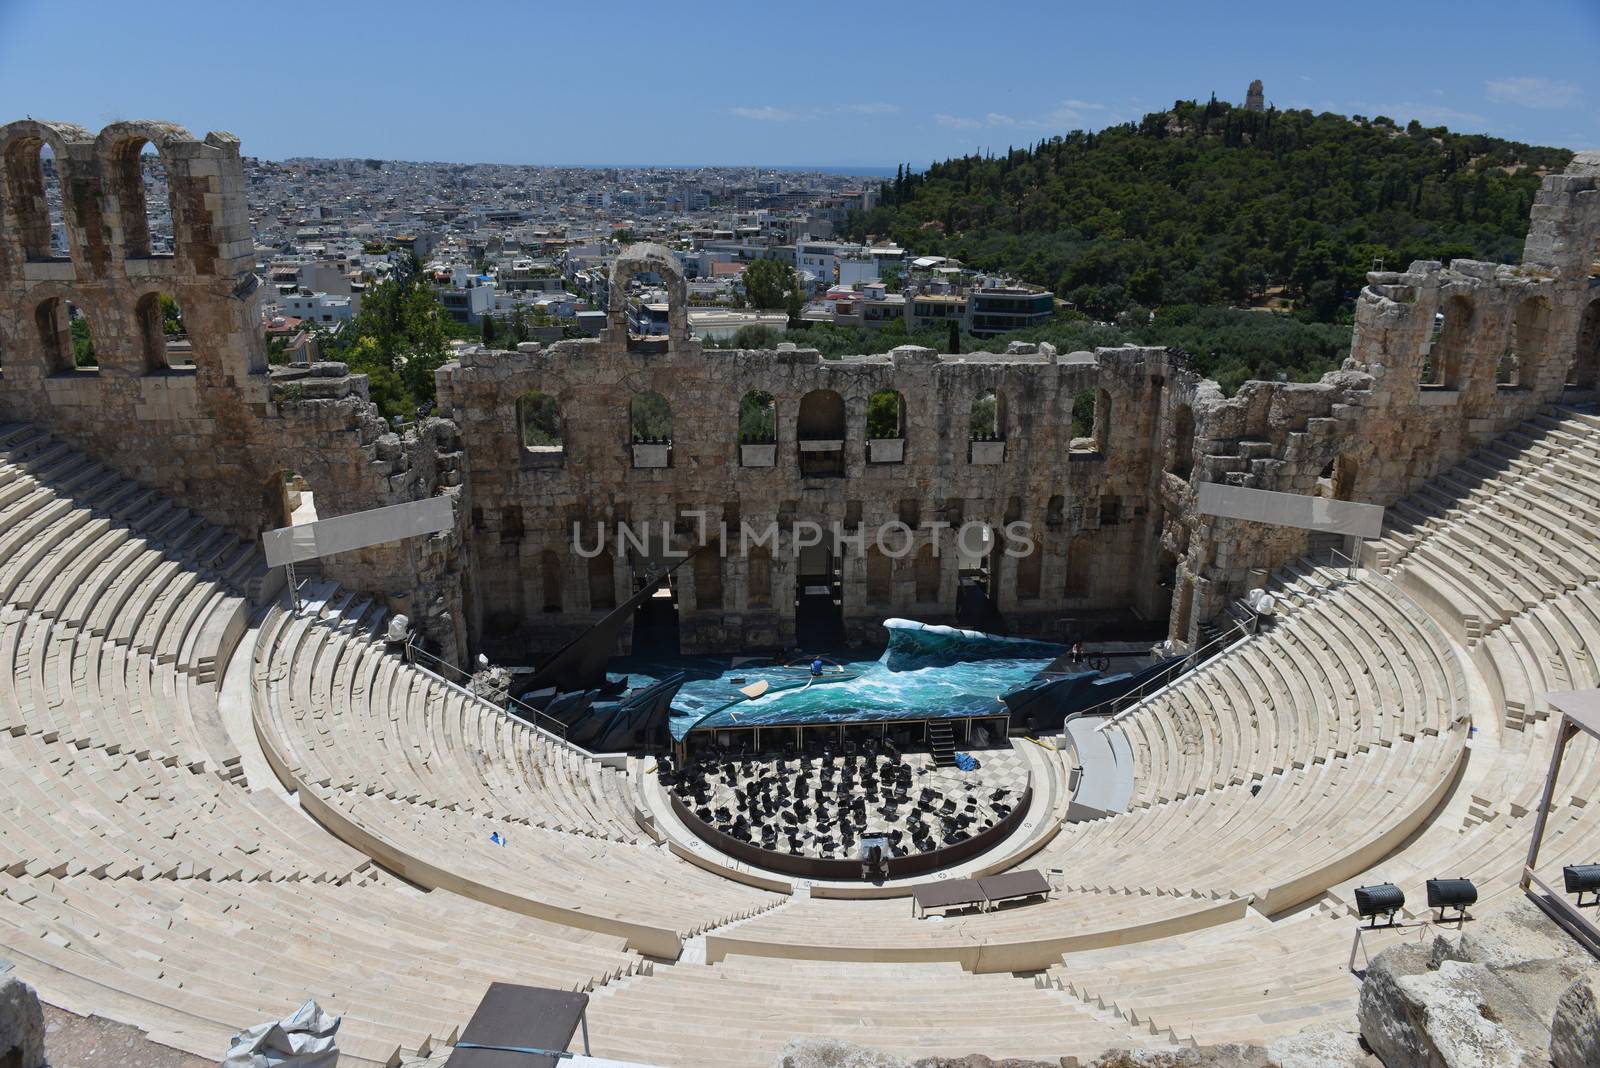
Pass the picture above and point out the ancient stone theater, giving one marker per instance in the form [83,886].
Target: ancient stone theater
[227,789]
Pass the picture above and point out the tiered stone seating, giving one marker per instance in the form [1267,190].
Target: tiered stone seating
[1505,530]
[1250,981]
[191,959]
[139,879]
[1357,668]
[743,1010]
[419,774]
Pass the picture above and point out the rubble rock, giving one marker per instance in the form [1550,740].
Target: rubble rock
[1575,1028]
[1519,931]
[1328,1046]
[21,1021]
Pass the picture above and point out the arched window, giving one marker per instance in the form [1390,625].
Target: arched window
[162,335]
[1089,409]
[886,427]
[602,582]
[1519,366]
[650,430]
[1441,368]
[708,577]
[1182,442]
[550,580]
[650,419]
[1585,370]
[144,195]
[926,575]
[33,188]
[820,430]
[1029,568]
[987,419]
[880,576]
[1078,554]
[886,415]
[539,422]
[758,418]
[65,337]
[759,589]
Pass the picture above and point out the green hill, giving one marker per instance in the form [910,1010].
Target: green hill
[1209,204]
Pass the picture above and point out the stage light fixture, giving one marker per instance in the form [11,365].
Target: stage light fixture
[1451,894]
[1383,899]
[1581,879]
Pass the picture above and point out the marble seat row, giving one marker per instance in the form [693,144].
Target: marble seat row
[452,792]
[754,1006]
[1504,531]
[1355,668]
[189,959]
[140,879]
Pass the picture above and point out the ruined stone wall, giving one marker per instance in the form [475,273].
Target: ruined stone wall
[1412,399]
[217,436]
[1087,500]
[1112,512]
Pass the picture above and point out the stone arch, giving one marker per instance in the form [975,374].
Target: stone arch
[987,417]
[550,581]
[124,161]
[820,428]
[821,416]
[24,189]
[602,581]
[649,419]
[65,337]
[1520,364]
[1447,351]
[1182,453]
[1584,371]
[539,422]
[647,258]
[163,338]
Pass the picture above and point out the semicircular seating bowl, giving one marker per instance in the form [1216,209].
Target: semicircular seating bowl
[142,874]
[140,879]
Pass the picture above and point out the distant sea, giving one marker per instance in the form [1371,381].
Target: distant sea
[808,168]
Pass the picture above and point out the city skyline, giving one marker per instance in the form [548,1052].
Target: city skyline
[510,83]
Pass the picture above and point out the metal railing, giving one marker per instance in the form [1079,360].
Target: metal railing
[1349,564]
[444,670]
[1131,700]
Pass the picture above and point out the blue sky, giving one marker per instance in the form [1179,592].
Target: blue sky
[874,83]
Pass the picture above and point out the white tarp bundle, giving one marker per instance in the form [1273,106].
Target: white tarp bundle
[304,1040]
[1261,601]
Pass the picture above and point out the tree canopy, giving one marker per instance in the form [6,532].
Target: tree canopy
[1212,204]
[770,285]
[398,339]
